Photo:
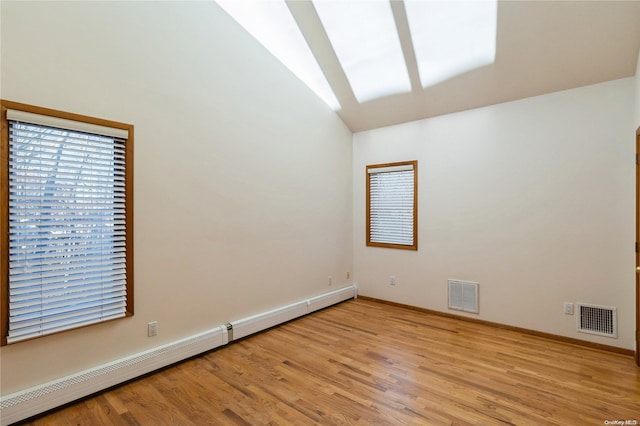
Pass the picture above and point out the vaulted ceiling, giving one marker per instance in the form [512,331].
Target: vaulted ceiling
[541,47]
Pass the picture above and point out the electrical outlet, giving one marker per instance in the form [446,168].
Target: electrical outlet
[348,274]
[568,308]
[392,280]
[152,328]
[330,280]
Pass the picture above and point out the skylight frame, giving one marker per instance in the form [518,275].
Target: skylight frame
[271,24]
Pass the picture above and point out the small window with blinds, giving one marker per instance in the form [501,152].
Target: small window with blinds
[66,221]
[392,205]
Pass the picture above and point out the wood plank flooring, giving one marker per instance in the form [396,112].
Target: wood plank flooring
[366,363]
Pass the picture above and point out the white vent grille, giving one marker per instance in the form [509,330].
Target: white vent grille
[596,319]
[463,296]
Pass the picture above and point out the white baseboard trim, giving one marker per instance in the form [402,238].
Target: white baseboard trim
[30,402]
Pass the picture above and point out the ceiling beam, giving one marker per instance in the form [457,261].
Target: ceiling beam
[402,25]
[307,19]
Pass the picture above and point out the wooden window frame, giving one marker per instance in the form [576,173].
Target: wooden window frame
[414,246]
[4,204]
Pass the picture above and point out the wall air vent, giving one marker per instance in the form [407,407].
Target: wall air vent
[463,296]
[596,319]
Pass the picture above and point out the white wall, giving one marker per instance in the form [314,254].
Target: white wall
[533,199]
[242,175]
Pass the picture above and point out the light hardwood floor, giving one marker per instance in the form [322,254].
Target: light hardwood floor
[366,363]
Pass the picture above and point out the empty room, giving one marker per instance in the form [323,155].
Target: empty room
[319,212]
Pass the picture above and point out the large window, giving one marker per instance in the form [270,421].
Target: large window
[392,205]
[66,210]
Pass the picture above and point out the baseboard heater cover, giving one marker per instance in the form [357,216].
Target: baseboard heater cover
[331,298]
[27,403]
[247,326]
[30,402]
[250,325]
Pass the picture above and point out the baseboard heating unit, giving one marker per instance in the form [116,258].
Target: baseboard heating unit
[33,401]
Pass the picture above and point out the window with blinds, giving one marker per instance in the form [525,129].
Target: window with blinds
[392,205]
[66,222]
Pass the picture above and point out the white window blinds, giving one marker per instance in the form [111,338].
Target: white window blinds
[67,230]
[392,205]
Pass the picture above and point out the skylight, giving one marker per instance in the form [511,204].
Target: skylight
[451,37]
[365,39]
[271,23]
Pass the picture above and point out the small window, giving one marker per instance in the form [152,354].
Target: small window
[392,205]
[66,227]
